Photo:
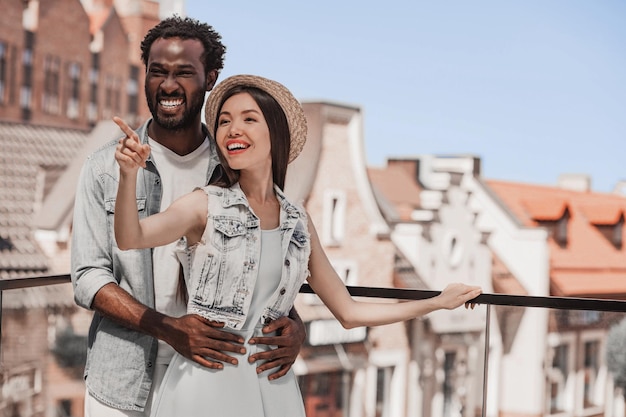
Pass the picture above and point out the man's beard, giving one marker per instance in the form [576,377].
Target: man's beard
[177,122]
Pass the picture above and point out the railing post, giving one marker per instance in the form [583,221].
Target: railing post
[486,360]
[1,358]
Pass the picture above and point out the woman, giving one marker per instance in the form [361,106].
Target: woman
[246,250]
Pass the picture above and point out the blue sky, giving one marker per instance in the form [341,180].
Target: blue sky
[535,88]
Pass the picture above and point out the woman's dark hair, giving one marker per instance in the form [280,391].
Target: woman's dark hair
[188,28]
[280,139]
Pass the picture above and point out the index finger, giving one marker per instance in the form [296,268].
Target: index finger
[125,128]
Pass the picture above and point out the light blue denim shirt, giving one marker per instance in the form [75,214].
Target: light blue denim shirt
[222,269]
[120,361]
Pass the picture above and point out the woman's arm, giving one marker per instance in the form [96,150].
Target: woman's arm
[185,215]
[351,313]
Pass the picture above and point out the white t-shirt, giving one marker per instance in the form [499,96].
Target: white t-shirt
[179,176]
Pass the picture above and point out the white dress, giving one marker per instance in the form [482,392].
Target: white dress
[191,390]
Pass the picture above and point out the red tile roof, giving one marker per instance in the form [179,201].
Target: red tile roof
[589,264]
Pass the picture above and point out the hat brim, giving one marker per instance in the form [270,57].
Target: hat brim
[291,106]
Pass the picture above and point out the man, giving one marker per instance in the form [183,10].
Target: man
[139,309]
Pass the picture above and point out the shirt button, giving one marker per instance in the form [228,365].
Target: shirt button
[149,364]
[287,262]
[283,291]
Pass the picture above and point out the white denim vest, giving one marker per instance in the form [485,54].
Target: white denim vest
[221,270]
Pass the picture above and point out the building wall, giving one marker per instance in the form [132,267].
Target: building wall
[525,252]
[446,246]
[53,39]
[114,65]
[335,142]
[24,357]
[12,36]
[62,29]
[137,21]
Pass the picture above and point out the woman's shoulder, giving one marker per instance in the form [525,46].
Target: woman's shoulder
[291,206]
[211,189]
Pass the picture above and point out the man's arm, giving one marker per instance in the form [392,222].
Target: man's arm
[291,334]
[96,288]
[192,336]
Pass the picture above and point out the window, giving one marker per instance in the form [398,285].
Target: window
[26,98]
[334,217]
[73,93]
[6,244]
[51,99]
[64,408]
[3,71]
[591,368]
[560,234]
[111,96]
[452,248]
[557,228]
[448,384]
[326,394]
[383,391]
[557,378]
[27,69]
[618,233]
[613,232]
[133,90]
[94,75]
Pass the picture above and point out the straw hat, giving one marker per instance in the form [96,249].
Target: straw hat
[290,105]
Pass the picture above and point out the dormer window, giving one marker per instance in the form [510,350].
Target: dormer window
[6,244]
[613,232]
[618,233]
[558,227]
[560,232]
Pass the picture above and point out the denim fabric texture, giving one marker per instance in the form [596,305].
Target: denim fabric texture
[222,269]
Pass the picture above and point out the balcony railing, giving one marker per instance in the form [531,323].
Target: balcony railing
[557,359]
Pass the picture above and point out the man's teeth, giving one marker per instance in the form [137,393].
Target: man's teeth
[171,103]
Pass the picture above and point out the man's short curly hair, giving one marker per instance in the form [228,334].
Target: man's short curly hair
[188,28]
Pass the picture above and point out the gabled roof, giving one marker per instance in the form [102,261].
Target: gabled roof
[58,203]
[589,264]
[397,192]
[29,157]
[541,209]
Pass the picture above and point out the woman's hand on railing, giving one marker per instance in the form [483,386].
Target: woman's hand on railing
[458,294]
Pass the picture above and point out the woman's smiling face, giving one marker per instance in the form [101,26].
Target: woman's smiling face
[242,133]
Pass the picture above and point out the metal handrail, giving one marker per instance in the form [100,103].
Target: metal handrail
[565,303]
[15,283]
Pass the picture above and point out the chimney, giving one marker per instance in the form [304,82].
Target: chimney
[620,188]
[575,182]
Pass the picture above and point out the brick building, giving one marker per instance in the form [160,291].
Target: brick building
[53,76]
[524,239]
[64,67]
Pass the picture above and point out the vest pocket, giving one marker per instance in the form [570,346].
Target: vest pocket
[229,233]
